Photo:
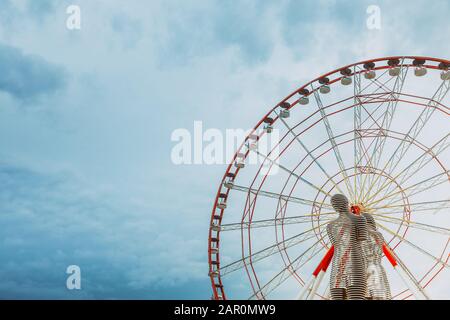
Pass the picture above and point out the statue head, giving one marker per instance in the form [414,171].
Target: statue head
[340,203]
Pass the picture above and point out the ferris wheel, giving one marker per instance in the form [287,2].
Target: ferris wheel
[376,131]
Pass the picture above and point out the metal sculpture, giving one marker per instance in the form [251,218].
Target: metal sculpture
[347,232]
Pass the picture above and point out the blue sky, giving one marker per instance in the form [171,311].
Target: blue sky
[86,118]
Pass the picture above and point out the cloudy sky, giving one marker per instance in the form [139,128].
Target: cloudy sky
[86,118]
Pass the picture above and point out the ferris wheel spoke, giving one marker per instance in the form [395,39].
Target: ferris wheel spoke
[388,116]
[269,251]
[417,188]
[422,211]
[389,113]
[273,222]
[288,270]
[424,159]
[415,129]
[360,151]
[326,292]
[411,277]
[309,153]
[413,207]
[377,108]
[413,224]
[291,173]
[371,115]
[357,153]
[419,124]
[381,85]
[416,165]
[367,167]
[333,142]
[406,207]
[277,196]
[357,75]
[419,249]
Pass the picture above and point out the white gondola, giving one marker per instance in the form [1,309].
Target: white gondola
[325,89]
[268,128]
[420,71]
[346,81]
[214,250]
[394,72]
[445,75]
[222,205]
[370,75]
[214,274]
[215,228]
[252,142]
[303,101]
[285,113]
[252,145]
[228,184]
[239,163]
[222,202]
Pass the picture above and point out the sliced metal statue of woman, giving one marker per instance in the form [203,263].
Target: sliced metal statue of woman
[377,282]
[347,232]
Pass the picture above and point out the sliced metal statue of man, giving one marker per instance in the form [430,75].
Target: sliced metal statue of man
[377,282]
[348,271]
